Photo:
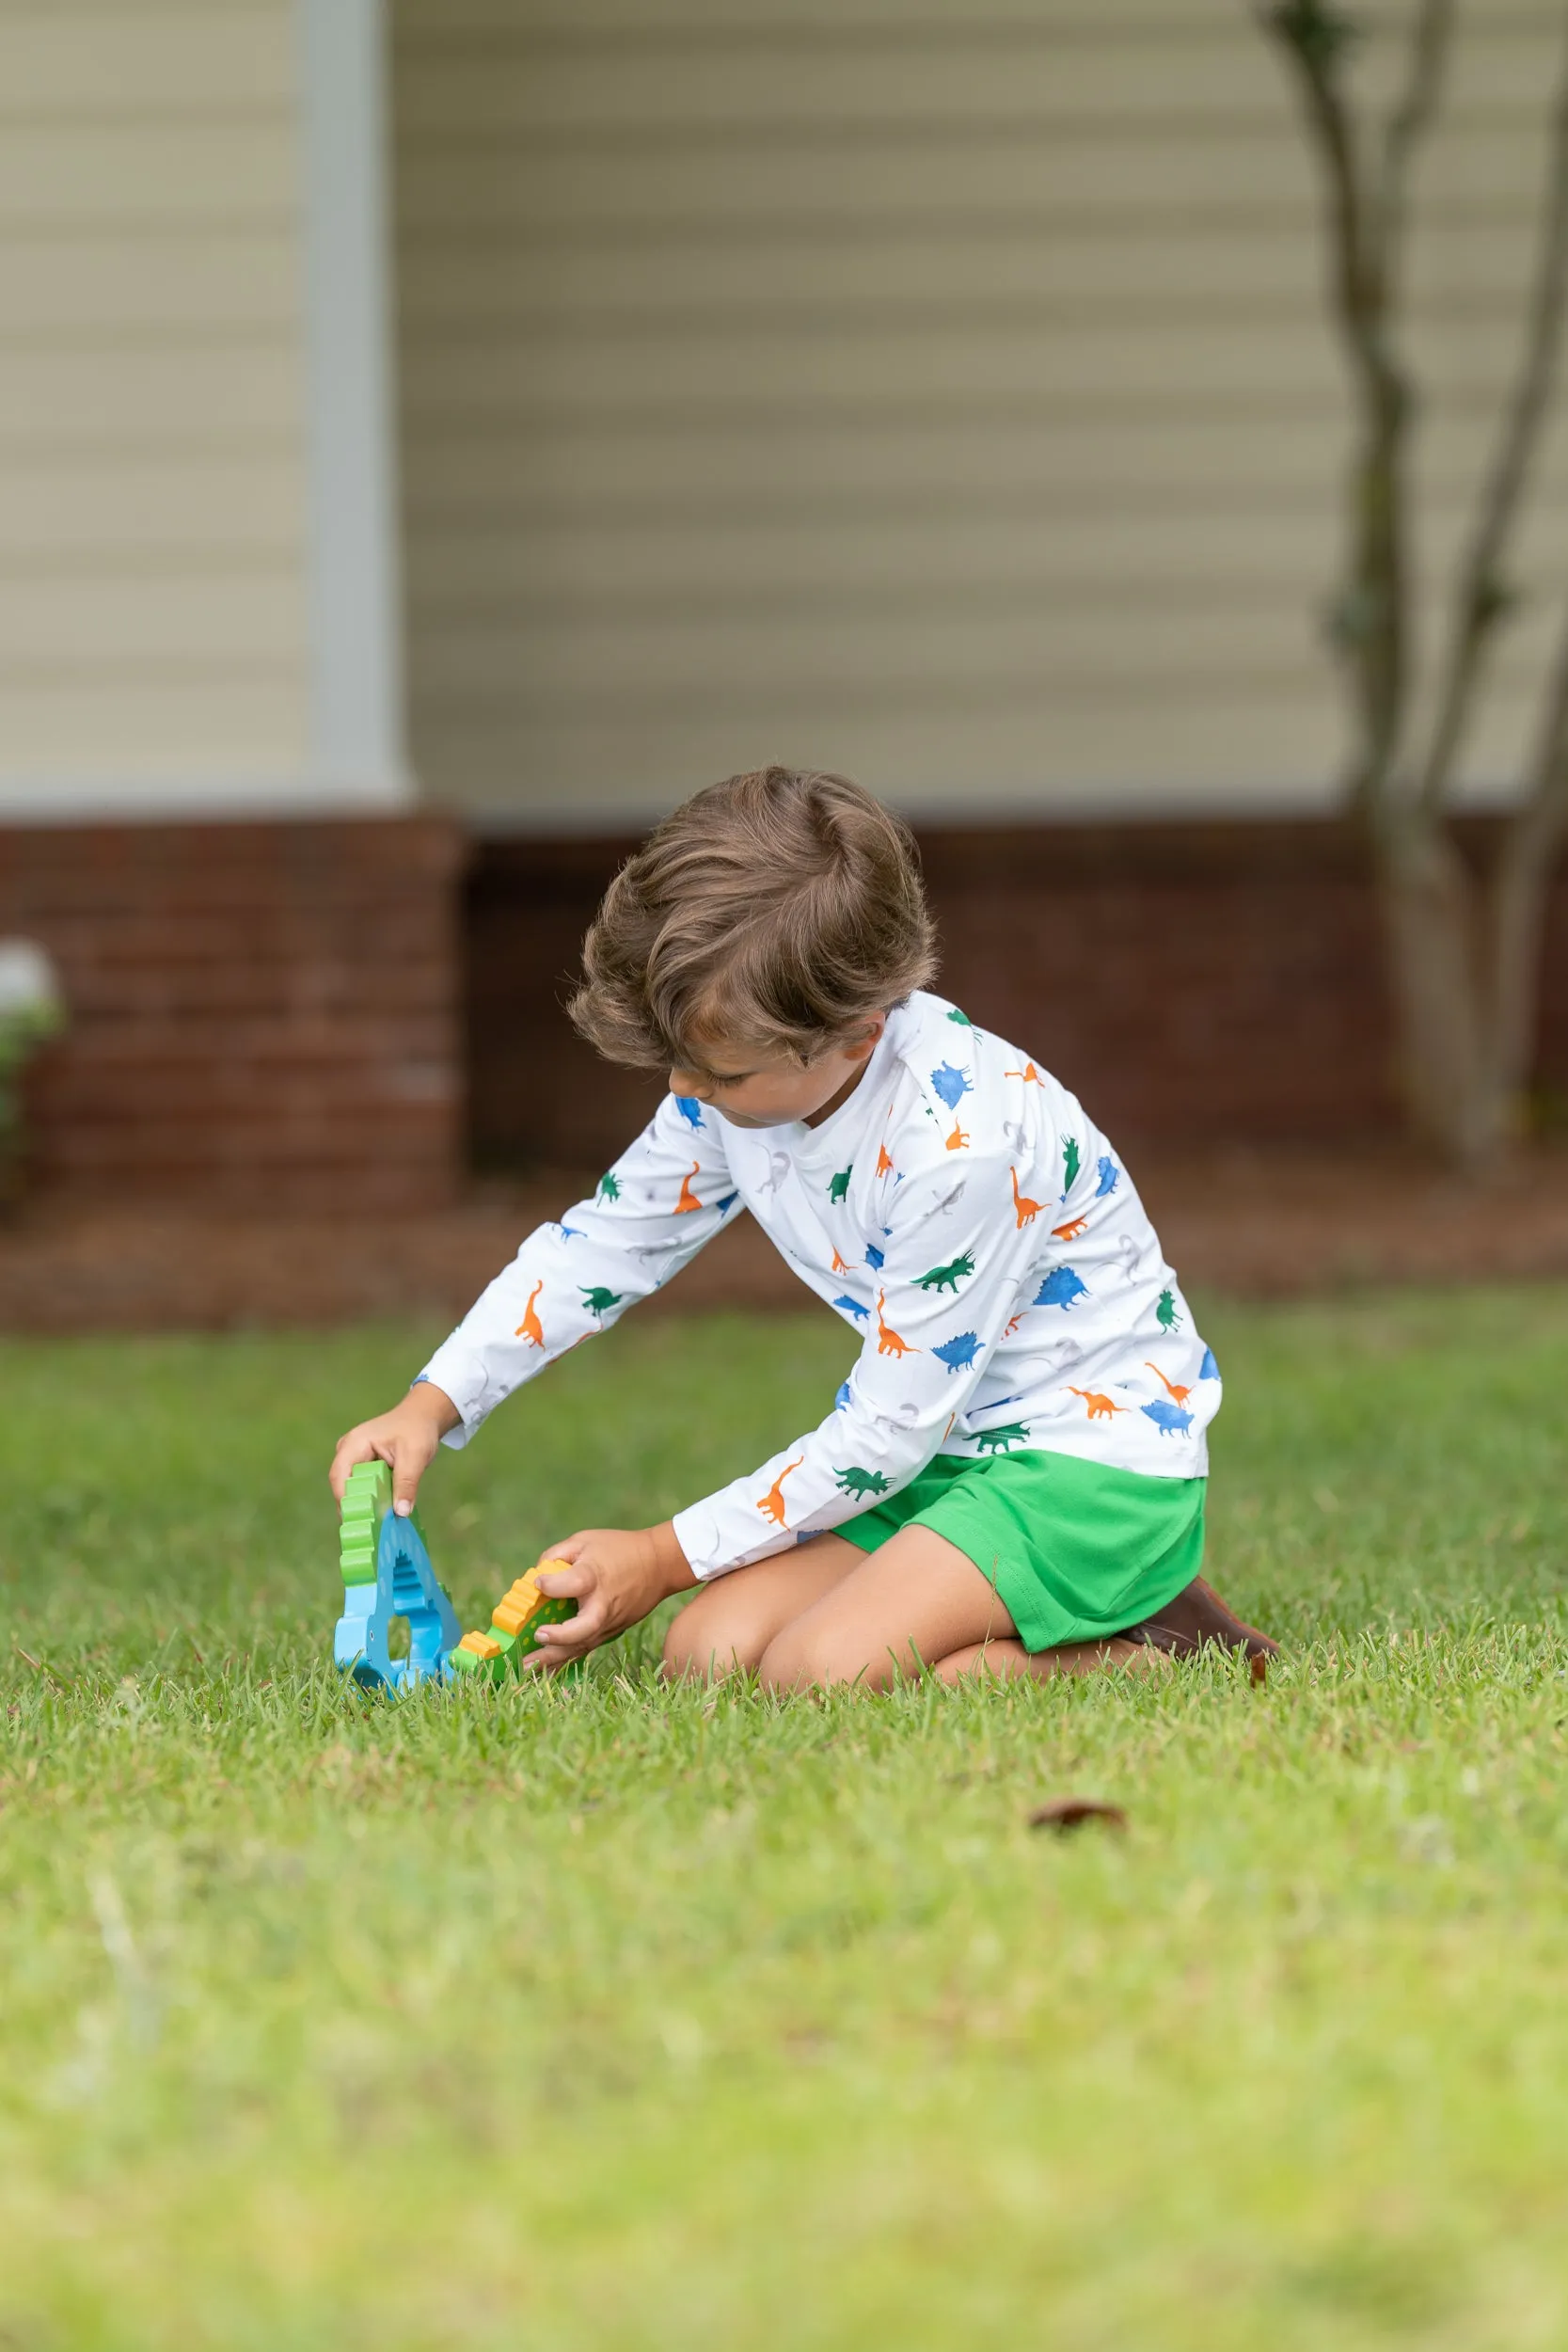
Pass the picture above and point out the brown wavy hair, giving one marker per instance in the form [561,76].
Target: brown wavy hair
[779,909]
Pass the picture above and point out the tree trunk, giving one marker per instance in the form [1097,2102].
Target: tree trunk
[1432,923]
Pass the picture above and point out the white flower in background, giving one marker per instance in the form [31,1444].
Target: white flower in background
[32,1007]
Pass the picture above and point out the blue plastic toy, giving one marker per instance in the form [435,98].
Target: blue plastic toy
[388,1575]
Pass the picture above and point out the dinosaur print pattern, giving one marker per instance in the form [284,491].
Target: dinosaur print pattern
[1100,1406]
[1062,1287]
[888,1342]
[958,1354]
[772,1504]
[860,1483]
[946,1278]
[986,1318]
[531,1328]
[1024,1210]
[1002,1438]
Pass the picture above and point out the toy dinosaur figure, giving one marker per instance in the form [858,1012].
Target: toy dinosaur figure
[387,1583]
[512,1632]
[948,1277]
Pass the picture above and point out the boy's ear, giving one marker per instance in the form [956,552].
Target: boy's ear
[870,1037]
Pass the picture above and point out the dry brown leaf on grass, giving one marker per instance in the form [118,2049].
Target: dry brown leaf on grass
[1065,1813]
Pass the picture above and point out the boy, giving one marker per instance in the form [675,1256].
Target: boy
[1012,1477]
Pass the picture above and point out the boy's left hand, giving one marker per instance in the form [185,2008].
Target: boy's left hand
[616,1575]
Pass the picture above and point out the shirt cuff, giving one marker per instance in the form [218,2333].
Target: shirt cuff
[700,1534]
[461,1375]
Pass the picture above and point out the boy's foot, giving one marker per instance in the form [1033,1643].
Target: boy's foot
[1195,1617]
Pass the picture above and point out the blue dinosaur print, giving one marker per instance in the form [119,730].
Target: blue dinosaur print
[1168,1418]
[843,1398]
[728,1202]
[852,1306]
[690,1109]
[1110,1176]
[950,1084]
[874,1257]
[1061,1288]
[1208,1369]
[570,1232]
[958,1354]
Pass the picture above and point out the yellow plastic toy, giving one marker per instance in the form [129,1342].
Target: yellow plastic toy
[514,1628]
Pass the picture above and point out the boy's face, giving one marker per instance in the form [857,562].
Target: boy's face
[752,1088]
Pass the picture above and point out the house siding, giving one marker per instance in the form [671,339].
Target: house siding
[947,397]
[153,559]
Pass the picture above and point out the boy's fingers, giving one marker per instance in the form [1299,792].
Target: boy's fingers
[351,1449]
[567,1583]
[408,1469]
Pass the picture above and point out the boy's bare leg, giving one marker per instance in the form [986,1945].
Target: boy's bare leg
[731,1621]
[898,1611]
[1010,1662]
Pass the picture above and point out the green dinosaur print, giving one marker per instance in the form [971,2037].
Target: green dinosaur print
[608,1188]
[961,1017]
[1071,1163]
[1166,1315]
[1006,1433]
[838,1187]
[946,1278]
[861,1481]
[598,1301]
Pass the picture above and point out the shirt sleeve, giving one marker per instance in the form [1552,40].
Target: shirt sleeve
[666,1196]
[947,1287]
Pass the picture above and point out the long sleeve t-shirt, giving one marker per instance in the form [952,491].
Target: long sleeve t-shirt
[958,1212]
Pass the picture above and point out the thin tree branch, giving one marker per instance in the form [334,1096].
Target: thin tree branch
[1480,597]
[1430,41]
[1373,619]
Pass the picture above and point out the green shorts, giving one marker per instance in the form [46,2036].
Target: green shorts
[1077,1550]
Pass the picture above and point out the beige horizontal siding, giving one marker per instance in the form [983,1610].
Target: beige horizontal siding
[152,486]
[950,399]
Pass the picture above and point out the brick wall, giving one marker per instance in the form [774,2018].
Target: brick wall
[1193,983]
[260,1012]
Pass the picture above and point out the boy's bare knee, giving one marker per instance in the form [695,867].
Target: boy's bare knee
[805,1659]
[703,1643]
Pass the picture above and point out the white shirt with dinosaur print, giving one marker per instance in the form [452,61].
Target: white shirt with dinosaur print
[959,1211]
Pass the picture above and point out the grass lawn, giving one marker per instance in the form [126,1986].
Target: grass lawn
[612,2017]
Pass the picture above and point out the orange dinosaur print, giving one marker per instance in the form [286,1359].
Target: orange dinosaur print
[1071,1231]
[531,1328]
[1177,1395]
[1013,1327]
[839,1267]
[885,1165]
[888,1341]
[689,1199]
[1024,1209]
[772,1504]
[1029,1074]
[958,1140]
[1101,1407]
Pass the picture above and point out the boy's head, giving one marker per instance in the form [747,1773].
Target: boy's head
[755,944]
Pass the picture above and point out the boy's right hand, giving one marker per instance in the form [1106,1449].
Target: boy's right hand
[407,1438]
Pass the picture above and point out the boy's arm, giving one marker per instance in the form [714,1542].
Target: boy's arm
[949,1287]
[666,1196]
